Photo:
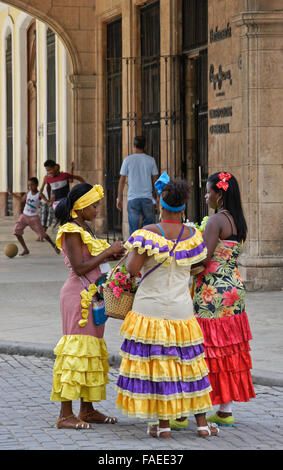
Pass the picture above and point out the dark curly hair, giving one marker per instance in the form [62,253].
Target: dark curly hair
[176,193]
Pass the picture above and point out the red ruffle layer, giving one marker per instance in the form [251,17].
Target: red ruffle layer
[228,357]
[214,353]
[221,332]
[228,386]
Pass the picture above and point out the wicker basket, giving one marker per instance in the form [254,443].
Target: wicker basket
[117,308]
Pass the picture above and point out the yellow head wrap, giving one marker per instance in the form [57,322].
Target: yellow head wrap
[93,195]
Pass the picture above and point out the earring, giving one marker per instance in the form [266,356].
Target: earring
[219,200]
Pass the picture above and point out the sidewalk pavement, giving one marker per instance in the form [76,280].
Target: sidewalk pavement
[30,316]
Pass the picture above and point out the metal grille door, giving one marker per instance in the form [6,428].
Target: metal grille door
[9,118]
[51,96]
[113,122]
[150,78]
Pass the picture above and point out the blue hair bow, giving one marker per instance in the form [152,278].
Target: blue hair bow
[161,182]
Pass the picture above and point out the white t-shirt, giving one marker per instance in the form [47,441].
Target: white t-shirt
[32,204]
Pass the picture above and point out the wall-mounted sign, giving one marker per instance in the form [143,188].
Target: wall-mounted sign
[220,77]
[220,112]
[221,34]
[220,129]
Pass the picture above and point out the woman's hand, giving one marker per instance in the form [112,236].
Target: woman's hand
[116,249]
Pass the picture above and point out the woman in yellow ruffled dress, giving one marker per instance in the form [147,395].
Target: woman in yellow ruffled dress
[81,365]
[163,373]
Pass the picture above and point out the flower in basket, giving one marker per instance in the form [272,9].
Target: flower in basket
[121,281]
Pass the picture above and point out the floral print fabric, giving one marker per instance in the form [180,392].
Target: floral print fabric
[219,290]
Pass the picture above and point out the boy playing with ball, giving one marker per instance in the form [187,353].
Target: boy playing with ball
[30,216]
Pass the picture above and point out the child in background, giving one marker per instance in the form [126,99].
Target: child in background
[46,212]
[59,182]
[30,216]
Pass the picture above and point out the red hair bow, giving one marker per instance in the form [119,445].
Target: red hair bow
[223,181]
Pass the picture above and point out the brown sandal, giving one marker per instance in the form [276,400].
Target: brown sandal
[61,423]
[88,418]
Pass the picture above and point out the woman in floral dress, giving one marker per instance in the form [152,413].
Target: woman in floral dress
[219,299]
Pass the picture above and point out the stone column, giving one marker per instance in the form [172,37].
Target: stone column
[262,142]
[85,159]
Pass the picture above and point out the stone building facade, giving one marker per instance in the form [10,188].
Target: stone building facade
[202,79]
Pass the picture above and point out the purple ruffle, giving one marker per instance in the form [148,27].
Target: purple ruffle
[150,351]
[147,387]
[165,249]
[147,243]
[190,253]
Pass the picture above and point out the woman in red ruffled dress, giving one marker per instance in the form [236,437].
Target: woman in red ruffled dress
[219,299]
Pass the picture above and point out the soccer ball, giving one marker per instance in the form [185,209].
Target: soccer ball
[11,250]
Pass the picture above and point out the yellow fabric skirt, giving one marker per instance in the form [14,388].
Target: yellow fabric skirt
[80,369]
[163,373]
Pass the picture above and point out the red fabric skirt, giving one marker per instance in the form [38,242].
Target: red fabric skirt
[227,351]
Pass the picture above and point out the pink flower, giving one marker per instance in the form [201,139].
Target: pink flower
[230,297]
[112,284]
[117,291]
[211,267]
[199,280]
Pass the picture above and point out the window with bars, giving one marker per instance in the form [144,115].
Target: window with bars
[113,121]
[9,121]
[195,23]
[150,77]
[51,96]
[195,37]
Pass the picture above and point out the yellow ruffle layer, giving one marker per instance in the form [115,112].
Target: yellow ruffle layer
[160,242]
[150,330]
[160,409]
[164,371]
[80,369]
[95,245]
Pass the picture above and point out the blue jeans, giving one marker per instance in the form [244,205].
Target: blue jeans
[137,209]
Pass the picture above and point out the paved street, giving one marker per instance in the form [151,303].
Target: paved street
[27,418]
[30,316]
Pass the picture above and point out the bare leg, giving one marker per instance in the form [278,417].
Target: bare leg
[156,431]
[52,243]
[90,415]
[202,422]
[67,419]
[23,243]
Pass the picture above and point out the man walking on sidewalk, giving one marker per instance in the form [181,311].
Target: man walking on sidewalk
[142,172]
